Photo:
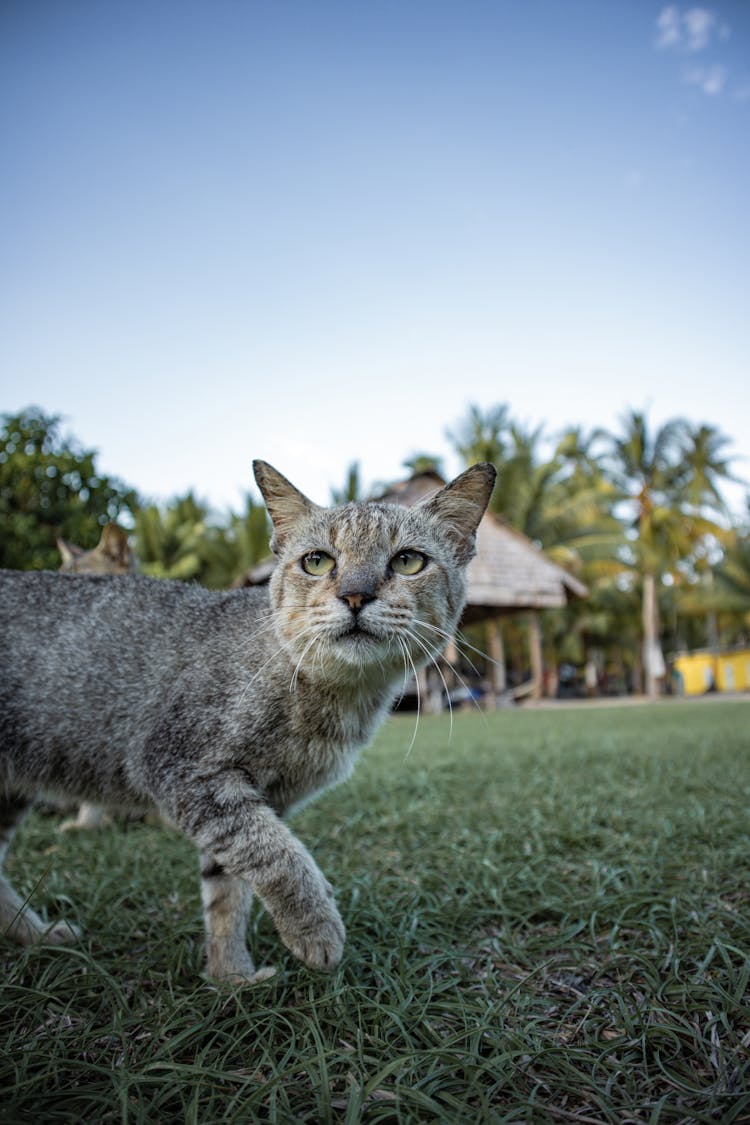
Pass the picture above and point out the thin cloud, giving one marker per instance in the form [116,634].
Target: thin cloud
[699,28]
[692,31]
[710,79]
[688,31]
[668,28]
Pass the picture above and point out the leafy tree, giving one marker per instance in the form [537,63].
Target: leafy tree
[424,463]
[49,488]
[561,500]
[705,468]
[232,550]
[482,435]
[732,586]
[183,540]
[169,541]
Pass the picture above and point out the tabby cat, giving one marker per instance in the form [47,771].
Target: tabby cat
[225,711]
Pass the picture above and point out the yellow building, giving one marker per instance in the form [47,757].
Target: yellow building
[703,670]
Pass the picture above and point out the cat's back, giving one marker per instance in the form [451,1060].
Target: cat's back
[55,621]
[44,604]
[89,663]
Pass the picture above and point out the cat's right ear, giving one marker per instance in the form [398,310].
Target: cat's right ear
[286,504]
[113,545]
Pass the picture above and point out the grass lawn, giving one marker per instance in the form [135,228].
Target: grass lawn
[548,920]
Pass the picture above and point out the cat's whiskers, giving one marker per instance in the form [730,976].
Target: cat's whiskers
[316,637]
[262,667]
[431,656]
[461,643]
[406,673]
[451,665]
[274,655]
[409,661]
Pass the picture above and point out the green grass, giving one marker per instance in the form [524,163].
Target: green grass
[547,920]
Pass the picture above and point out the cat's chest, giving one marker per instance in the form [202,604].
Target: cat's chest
[315,768]
[320,752]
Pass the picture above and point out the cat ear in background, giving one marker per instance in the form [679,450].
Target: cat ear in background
[69,552]
[114,545]
[286,504]
[461,504]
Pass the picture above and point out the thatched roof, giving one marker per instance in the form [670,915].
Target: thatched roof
[509,571]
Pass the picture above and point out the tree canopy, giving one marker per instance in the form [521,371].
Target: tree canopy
[50,487]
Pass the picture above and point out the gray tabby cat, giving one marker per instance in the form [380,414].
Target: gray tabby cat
[226,711]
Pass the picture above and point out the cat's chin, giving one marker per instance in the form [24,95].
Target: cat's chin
[360,649]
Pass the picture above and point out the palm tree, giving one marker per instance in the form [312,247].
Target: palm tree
[169,541]
[646,467]
[482,435]
[670,479]
[705,468]
[563,502]
[732,586]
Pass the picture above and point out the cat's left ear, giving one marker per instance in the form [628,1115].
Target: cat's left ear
[286,504]
[461,504]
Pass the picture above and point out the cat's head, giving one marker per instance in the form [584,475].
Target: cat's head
[111,555]
[371,586]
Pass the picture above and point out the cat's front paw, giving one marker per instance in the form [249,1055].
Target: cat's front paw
[319,941]
[242,977]
[60,933]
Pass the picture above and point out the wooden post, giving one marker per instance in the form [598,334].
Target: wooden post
[497,655]
[535,653]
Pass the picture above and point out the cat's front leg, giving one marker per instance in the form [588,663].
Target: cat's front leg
[230,821]
[227,900]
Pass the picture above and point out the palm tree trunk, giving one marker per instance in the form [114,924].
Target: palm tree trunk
[650,640]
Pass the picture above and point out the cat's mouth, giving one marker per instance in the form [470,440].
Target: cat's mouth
[357,630]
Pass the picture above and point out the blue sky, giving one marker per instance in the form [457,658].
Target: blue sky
[314,232]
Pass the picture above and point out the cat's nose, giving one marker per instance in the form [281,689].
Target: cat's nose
[357,586]
[355,601]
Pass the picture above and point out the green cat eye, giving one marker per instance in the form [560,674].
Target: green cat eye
[408,562]
[317,563]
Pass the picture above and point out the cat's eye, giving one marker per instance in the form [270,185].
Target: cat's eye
[317,563]
[408,562]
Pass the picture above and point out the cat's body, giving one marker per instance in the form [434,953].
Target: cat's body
[226,710]
[111,555]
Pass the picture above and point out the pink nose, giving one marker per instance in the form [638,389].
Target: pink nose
[355,600]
